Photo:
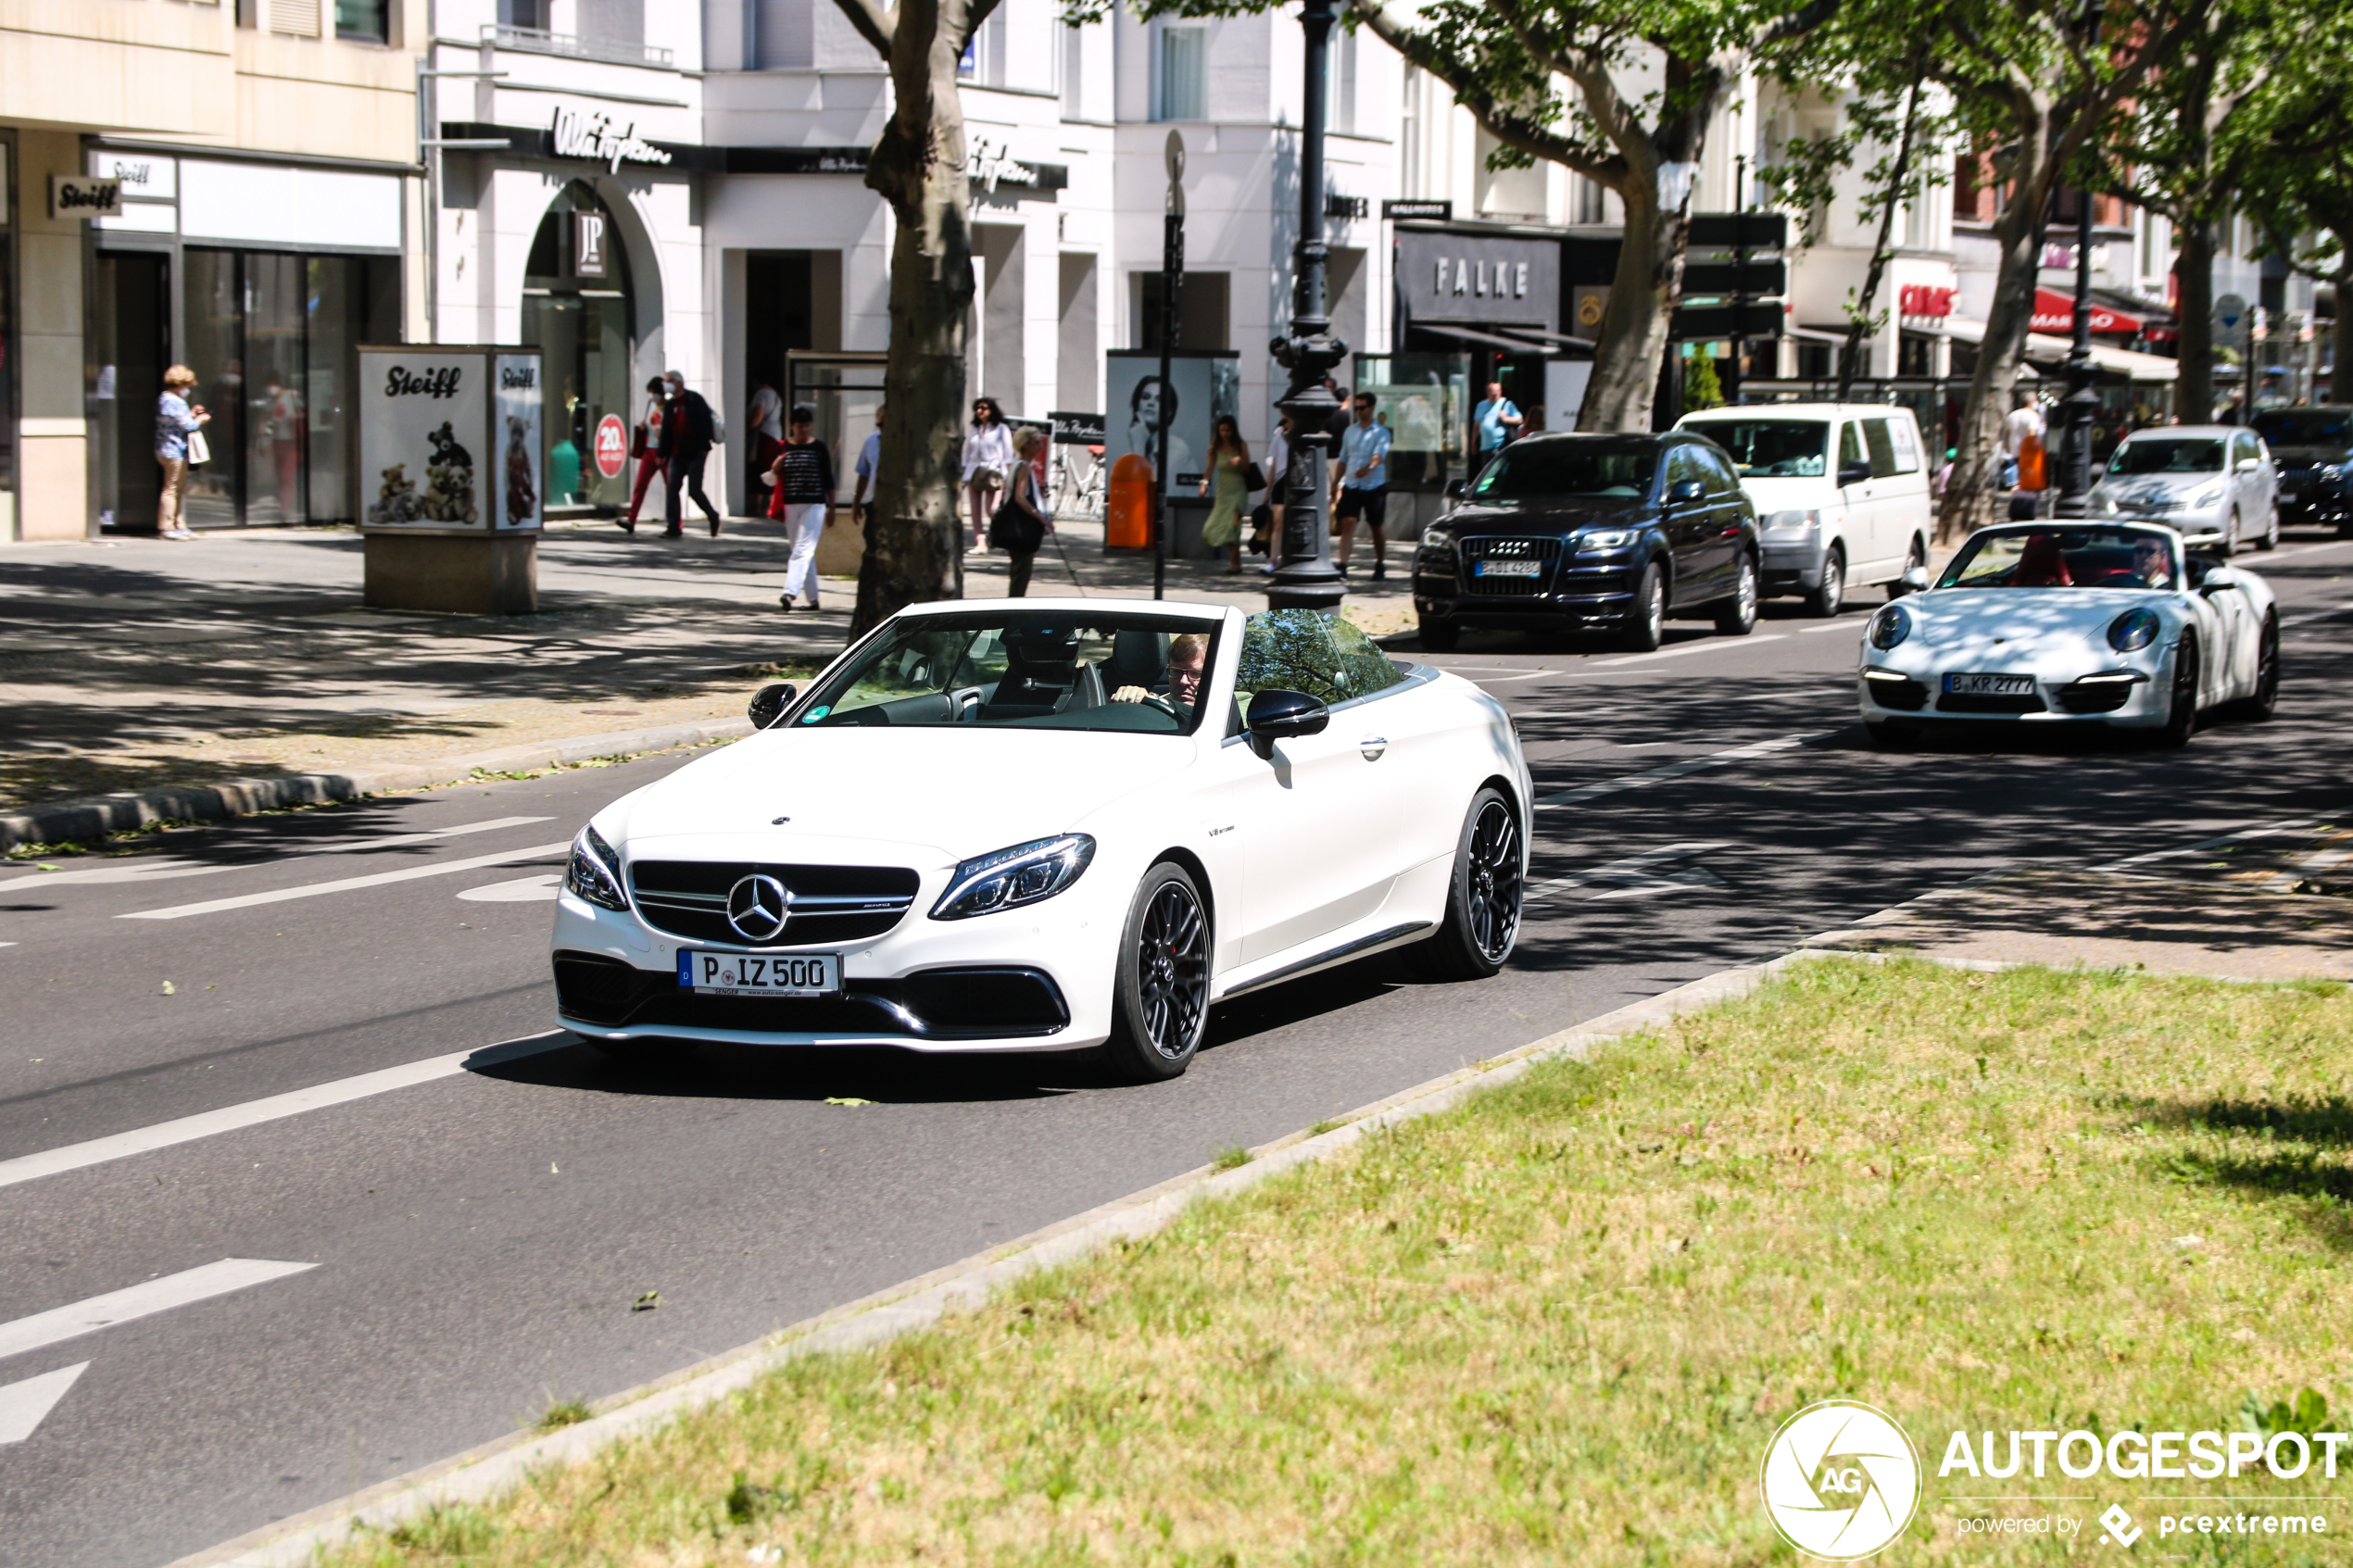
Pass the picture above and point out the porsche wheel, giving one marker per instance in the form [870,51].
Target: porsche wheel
[1736,617]
[2264,700]
[2181,714]
[1482,898]
[1826,599]
[1646,617]
[1161,1004]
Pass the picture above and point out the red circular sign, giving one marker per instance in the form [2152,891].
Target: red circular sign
[612,446]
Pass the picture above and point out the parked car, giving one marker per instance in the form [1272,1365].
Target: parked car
[1049,825]
[1578,532]
[2214,484]
[2313,449]
[1842,492]
[2106,624]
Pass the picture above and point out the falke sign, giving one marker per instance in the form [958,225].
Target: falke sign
[593,136]
[72,195]
[1479,278]
[1920,299]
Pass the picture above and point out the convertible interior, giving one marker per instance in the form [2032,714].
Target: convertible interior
[1022,671]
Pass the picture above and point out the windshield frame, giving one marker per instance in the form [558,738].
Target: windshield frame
[1970,548]
[1716,429]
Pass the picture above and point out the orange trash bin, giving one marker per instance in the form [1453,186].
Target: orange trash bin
[1128,504]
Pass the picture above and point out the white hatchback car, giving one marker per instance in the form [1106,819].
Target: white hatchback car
[1041,824]
[2216,485]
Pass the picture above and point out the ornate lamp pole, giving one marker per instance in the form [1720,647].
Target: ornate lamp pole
[2075,470]
[1304,577]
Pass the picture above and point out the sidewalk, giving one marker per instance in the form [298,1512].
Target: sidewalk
[134,664]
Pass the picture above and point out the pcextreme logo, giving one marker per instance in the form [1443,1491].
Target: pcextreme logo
[1841,1480]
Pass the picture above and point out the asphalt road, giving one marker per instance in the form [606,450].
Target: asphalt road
[463,1246]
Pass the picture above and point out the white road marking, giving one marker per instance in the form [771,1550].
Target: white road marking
[61,1324]
[1853,626]
[166,869]
[1675,770]
[2323,613]
[2241,836]
[253,1114]
[2285,882]
[24,1406]
[1704,644]
[1499,680]
[313,890]
[524,890]
[2307,550]
[1634,870]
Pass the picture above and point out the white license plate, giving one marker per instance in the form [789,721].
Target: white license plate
[1988,685]
[751,974]
[1507,569]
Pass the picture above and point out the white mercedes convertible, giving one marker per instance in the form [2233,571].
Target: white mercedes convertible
[1050,824]
[2108,623]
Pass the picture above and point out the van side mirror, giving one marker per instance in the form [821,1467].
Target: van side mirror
[1852,473]
[768,705]
[1276,714]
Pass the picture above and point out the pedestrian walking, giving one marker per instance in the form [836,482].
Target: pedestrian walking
[1266,520]
[688,433]
[645,446]
[869,465]
[1228,477]
[1497,420]
[1021,524]
[802,478]
[989,461]
[1335,425]
[1363,491]
[179,441]
[765,418]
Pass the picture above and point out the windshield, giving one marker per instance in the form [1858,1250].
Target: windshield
[2169,455]
[1772,448]
[1032,670]
[2306,427]
[1569,466]
[2065,558]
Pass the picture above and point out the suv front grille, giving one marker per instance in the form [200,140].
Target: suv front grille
[1544,553]
[830,904]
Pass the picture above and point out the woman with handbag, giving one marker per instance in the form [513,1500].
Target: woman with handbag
[989,461]
[179,441]
[644,444]
[1233,477]
[1021,524]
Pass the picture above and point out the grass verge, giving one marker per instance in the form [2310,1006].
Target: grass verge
[1562,1323]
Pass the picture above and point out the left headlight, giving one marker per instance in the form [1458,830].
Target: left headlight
[595,872]
[1606,539]
[1891,626]
[2134,629]
[1010,878]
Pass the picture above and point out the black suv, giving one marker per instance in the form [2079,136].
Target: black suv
[1593,532]
[2313,447]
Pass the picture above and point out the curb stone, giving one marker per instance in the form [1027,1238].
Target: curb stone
[482,1471]
[86,821]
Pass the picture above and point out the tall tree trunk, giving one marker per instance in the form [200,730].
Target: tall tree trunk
[1633,345]
[1969,495]
[914,540]
[2341,374]
[2194,308]
[1858,320]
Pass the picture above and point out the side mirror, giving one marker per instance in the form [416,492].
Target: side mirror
[1457,490]
[1685,490]
[2250,465]
[1852,473]
[1276,714]
[768,705]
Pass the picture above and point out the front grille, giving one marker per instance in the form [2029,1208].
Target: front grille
[1901,696]
[2094,696]
[940,1004]
[831,904]
[1956,702]
[1545,553]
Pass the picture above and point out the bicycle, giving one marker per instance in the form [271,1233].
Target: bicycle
[1077,490]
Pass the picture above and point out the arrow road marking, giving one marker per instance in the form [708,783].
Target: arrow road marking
[1675,770]
[524,890]
[61,1324]
[213,906]
[1633,875]
[24,1405]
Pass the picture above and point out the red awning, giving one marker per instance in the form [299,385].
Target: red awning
[2056,313]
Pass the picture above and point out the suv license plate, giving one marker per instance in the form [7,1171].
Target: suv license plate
[1509,568]
[749,975]
[1988,685]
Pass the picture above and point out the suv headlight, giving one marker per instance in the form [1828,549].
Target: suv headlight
[1437,539]
[1605,539]
[1891,626]
[1010,878]
[595,872]
[1792,521]
[2134,629]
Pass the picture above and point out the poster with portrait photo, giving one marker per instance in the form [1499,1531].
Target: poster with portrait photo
[519,491]
[1138,403]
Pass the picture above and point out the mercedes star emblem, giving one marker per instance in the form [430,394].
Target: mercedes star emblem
[758,906]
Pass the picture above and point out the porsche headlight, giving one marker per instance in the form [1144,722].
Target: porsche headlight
[1891,626]
[2208,498]
[594,873]
[2134,629]
[1792,521]
[1605,539]
[1010,878]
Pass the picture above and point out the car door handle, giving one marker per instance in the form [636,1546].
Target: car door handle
[1373,746]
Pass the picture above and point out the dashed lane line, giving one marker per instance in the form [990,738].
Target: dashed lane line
[345,884]
[171,869]
[1633,870]
[1677,770]
[1703,645]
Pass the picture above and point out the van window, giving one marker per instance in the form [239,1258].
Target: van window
[1883,447]
[1907,445]
[1850,444]
[1770,449]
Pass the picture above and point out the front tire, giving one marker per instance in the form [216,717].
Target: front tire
[2230,544]
[1482,895]
[1440,636]
[1736,617]
[1915,576]
[1646,617]
[1160,1004]
[1825,600]
[2181,715]
[2265,699]
[2270,539]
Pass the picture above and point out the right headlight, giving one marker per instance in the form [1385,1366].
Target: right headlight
[2134,629]
[594,873]
[1891,626]
[1007,878]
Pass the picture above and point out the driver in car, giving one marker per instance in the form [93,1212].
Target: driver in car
[1187,655]
[2152,563]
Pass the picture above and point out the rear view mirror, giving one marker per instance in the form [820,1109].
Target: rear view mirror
[768,705]
[1276,714]
[1852,473]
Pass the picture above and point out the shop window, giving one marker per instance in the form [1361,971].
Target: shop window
[576,311]
[364,22]
[1915,354]
[1184,73]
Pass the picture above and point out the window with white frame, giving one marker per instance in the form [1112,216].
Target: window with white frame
[1071,73]
[1184,73]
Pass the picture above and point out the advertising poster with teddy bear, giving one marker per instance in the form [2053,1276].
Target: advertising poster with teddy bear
[423,413]
[516,480]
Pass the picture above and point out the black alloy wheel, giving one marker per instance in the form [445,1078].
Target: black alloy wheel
[1736,617]
[1826,599]
[1161,1004]
[1646,617]
[2265,700]
[1438,637]
[1914,571]
[2181,714]
[1483,895]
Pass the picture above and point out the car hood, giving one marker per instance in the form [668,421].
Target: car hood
[1965,627]
[848,793]
[2166,485]
[1558,515]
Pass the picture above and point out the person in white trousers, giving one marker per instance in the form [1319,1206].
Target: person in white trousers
[802,496]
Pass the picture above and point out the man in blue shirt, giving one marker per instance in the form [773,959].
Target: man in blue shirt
[1496,419]
[869,463]
[1364,485]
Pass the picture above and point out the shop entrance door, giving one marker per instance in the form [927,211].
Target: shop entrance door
[133,329]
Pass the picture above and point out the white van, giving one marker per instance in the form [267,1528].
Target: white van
[1842,493]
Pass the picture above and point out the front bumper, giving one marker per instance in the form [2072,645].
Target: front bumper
[2118,695]
[1790,566]
[1580,592]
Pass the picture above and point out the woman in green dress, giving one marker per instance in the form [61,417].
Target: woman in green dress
[1228,481]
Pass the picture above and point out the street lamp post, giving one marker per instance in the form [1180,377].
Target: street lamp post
[2075,471]
[1172,287]
[1304,577]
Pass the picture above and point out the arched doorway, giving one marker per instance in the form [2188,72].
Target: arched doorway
[578,308]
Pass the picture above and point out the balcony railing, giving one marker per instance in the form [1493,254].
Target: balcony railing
[538,40]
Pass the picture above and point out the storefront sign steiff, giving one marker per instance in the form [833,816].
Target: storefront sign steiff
[575,135]
[76,195]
